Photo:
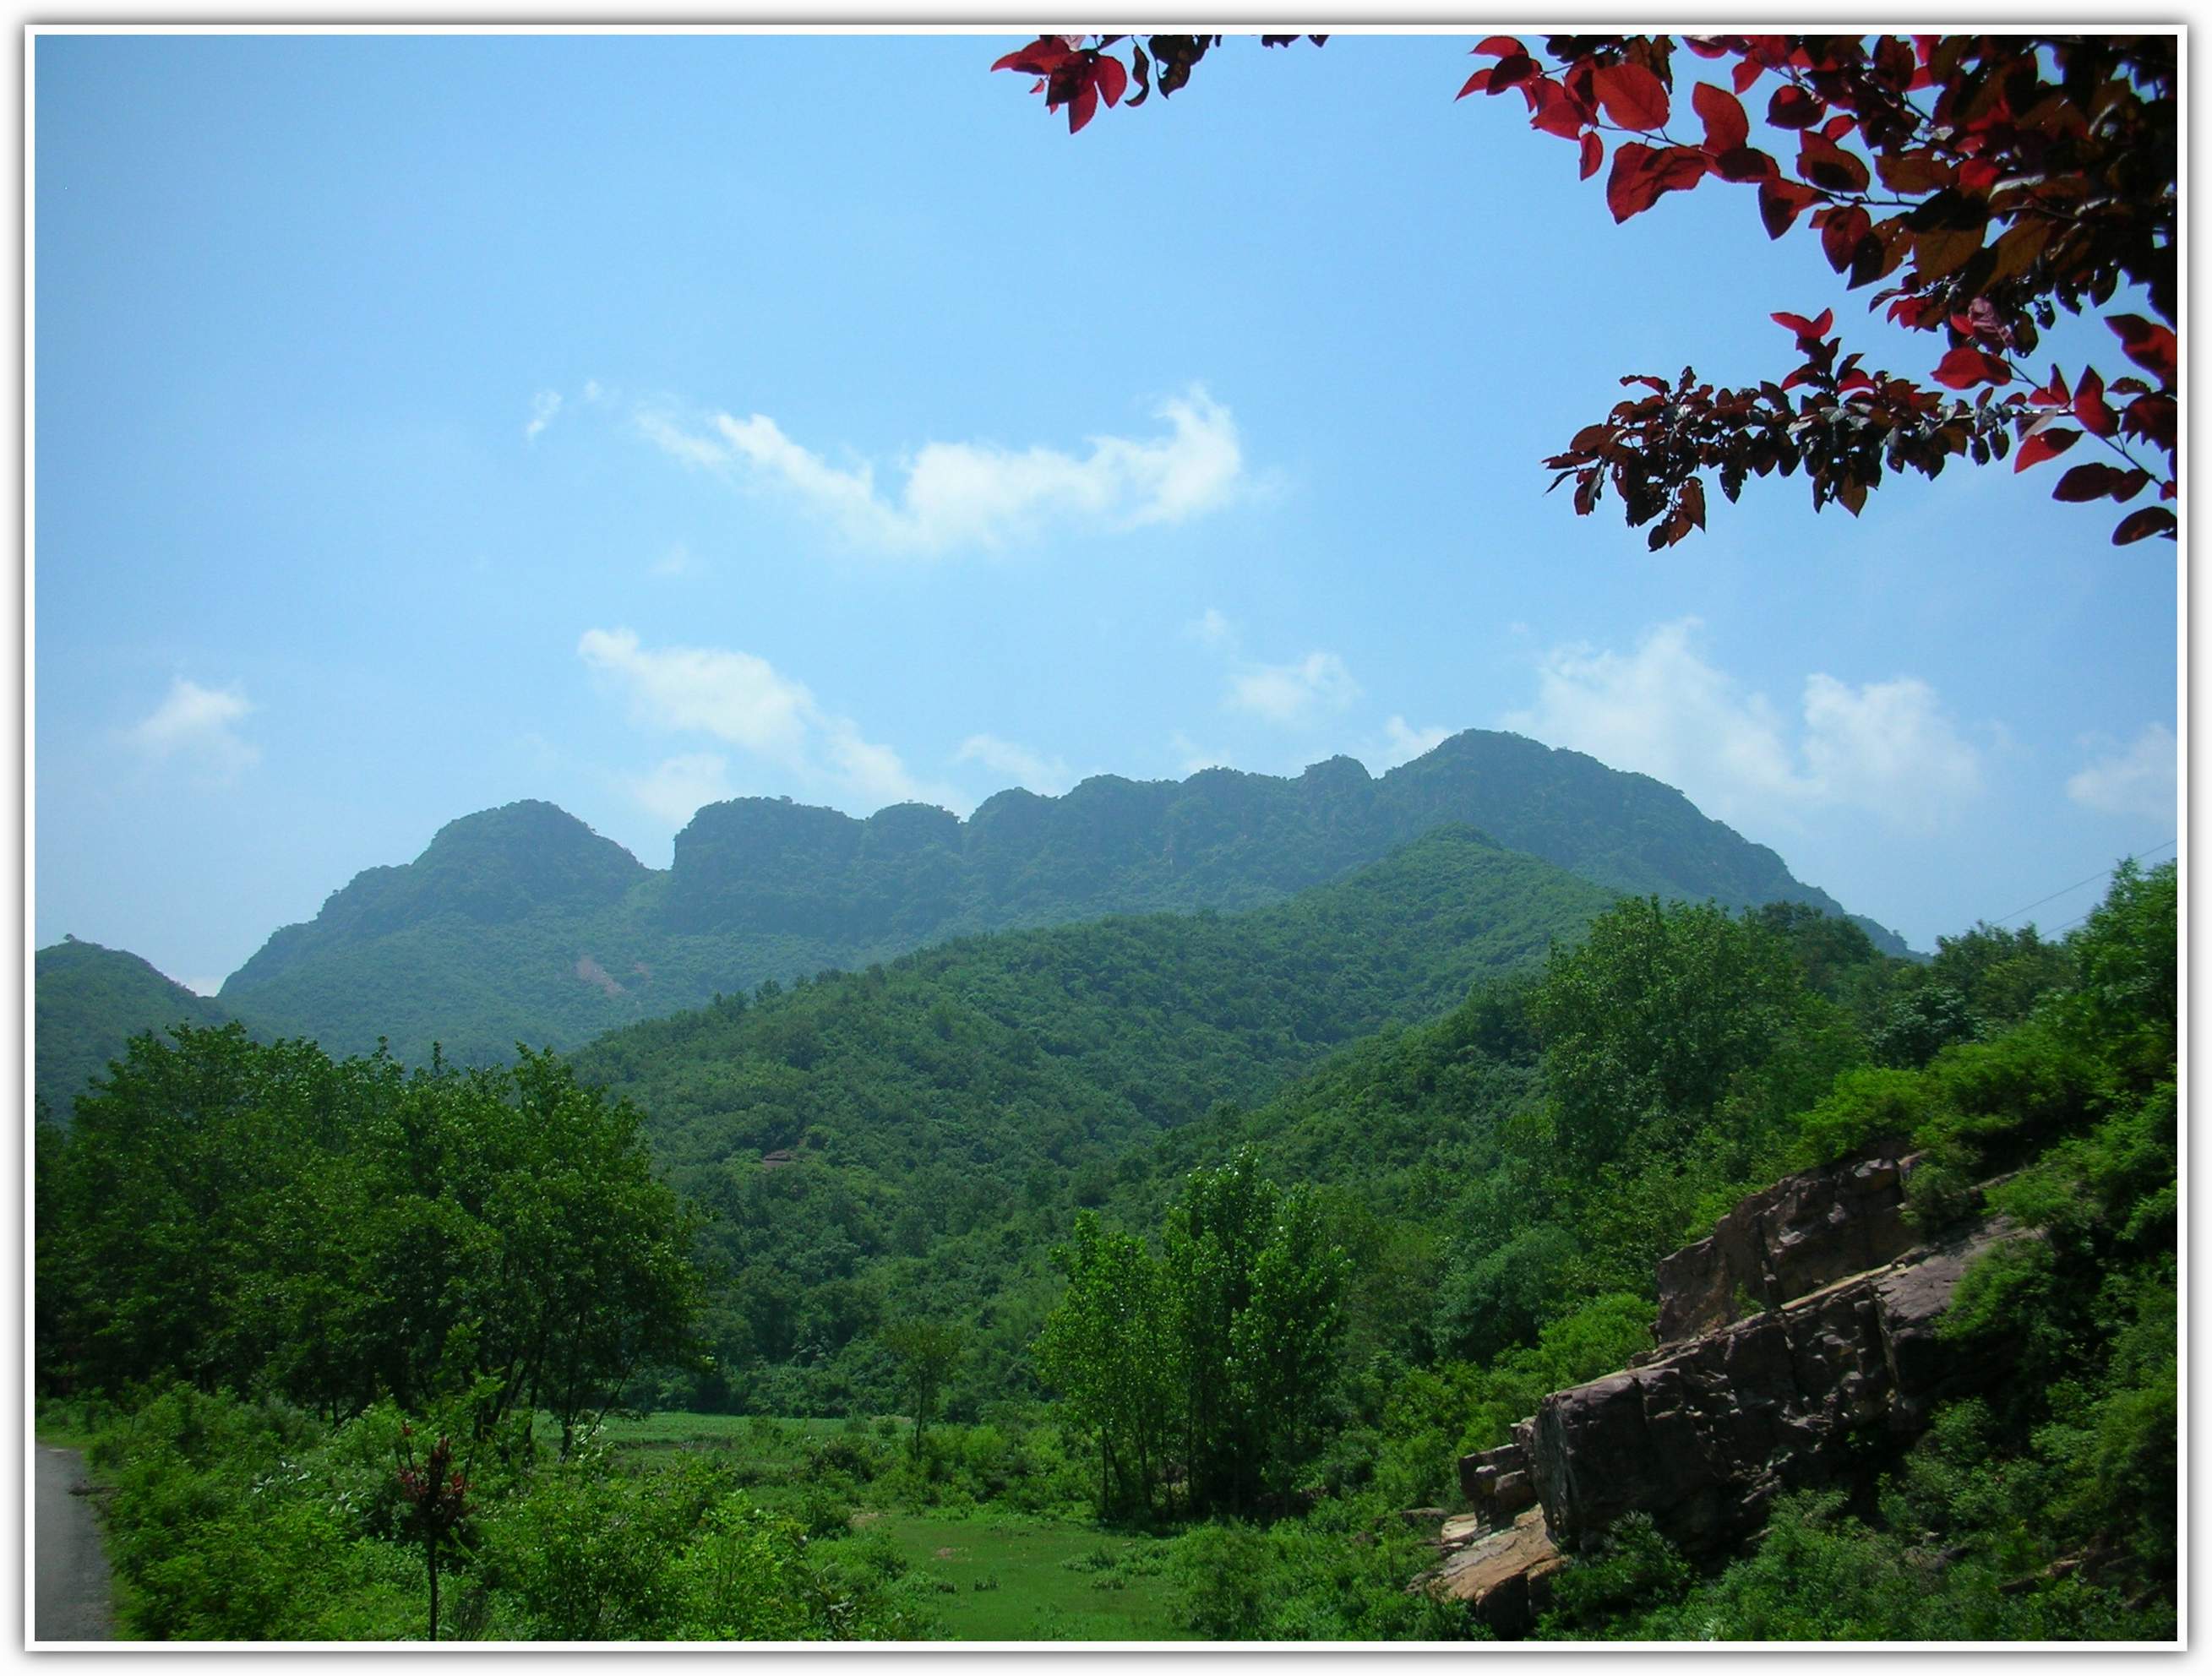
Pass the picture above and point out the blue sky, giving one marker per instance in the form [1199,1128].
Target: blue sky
[426,424]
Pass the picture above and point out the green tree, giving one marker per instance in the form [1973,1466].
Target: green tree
[926,1352]
[1255,1291]
[261,1218]
[1647,1022]
[1110,1349]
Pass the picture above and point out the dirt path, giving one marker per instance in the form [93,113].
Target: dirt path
[71,1602]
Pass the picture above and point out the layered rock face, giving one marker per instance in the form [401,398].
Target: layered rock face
[1791,1240]
[1702,1435]
[1704,1438]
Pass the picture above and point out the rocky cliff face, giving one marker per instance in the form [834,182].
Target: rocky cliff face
[1749,1394]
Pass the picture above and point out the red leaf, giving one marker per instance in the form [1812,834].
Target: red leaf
[1967,365]
[1500,47]
[2092,481]
[1745,74]
[1084,105]
[1557,111]
[1476,83]
[1824,164]
[1920,313]
[1628,189]
[1913,171]
[2150,346]
[1633,96]
[1841,232]
[1727,128]
[1796,323]
[2150,521]
[2042,444]
[1977,175]
[2089,408]
[1793,108]
[1820,326]
[1113,78]
[1746,162]
[1781,201]
[2151,417]
[1510,70]
[1593,155]
[1040,57]
[1679,167]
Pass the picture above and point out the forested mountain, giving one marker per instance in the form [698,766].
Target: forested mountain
[90,1002]
[913,1132]
[521,923]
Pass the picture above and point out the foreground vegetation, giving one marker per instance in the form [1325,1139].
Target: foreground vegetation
[1190,1396]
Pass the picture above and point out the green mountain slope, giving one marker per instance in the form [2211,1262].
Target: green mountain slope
[939,1113]
[89,1001]
[522,924]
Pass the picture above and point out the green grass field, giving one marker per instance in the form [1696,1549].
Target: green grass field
[995,1573]
[758,1436]
[1011,1578]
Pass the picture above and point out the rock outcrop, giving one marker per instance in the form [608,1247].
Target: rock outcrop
[1703,1439]
[1506,1578]
[1838,1338]
[1798,1236]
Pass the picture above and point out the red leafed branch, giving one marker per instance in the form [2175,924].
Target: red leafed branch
[1076,76]
[1992,180]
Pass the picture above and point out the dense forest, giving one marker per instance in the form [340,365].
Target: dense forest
[909,1137]
[1221,1237]
[520,924]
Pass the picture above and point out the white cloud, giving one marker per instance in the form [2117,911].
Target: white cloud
[1663,710]
[734,695]
[742,700]
[971,495]
[1213,629]
[677,561]
[673,440]
[1402,743]
[1886,746]
[200,723]
[544,407]
[201,986]
[681,786]
[1286,693]
[2143,778]
[1030,768]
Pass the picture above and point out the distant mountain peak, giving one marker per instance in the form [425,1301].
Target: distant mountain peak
[479,940]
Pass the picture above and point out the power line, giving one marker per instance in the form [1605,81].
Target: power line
[2076,885]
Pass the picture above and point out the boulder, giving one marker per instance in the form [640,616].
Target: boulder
[1799,1235]
[1505,1577]
[1704,1438]
[1478,1475]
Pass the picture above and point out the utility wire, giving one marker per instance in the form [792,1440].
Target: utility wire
[2076,885]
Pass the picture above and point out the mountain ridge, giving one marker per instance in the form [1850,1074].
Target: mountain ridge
[522,924]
